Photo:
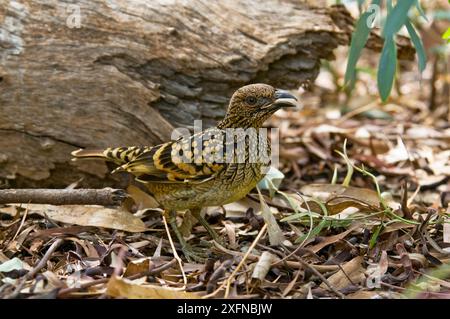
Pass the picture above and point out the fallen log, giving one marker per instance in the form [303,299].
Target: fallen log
[99,73]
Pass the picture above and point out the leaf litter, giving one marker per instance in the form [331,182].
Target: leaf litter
[358,209]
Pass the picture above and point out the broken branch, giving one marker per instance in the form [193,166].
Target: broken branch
[104,196]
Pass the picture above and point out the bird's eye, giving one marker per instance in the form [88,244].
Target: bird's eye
[251,100]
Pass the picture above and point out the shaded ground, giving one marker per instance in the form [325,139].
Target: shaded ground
[369,222]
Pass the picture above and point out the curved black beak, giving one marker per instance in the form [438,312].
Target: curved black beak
[284,99]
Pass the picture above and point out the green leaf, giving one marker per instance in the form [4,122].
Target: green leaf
[377,114]
[316,231]
[374,238]
[441,15]
[397,17]
[446,35]
[387,68]
[359,39]
[420,50]
[389,6]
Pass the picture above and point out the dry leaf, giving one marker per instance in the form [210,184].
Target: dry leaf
[291,285]
[326,192]
[446,231]
[97,216]
[120,287]
[332,239]
[239,208]
[141,198]
[262,267]
[188,222]
[364,294]
[396,154]
[231,234]
[137,266]
[352,269]
[276,236]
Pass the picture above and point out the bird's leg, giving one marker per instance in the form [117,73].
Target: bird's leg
[197,214]
[188,251]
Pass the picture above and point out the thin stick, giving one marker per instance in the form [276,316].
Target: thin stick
[355,112]
[413,196]
[152,272]
[321,277]
[175,254]
[21,224]
[104,196]
[288,263]
[233,274]
[42,263]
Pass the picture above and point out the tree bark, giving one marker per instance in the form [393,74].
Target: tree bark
[94,73]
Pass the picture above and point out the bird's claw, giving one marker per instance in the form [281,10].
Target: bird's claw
[194,254]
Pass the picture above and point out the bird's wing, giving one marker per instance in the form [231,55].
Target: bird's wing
[195,159]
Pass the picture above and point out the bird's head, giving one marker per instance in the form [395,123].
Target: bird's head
[252,105]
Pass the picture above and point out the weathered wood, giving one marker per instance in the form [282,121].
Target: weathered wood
[104,196]
[133,70]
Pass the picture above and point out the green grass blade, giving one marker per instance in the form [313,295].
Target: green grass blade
[374,238]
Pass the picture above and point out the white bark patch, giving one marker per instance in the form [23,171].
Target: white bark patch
[11,29]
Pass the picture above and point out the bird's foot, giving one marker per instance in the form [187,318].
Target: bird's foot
[206,243]
[212,243]
[209,229]
[196,254]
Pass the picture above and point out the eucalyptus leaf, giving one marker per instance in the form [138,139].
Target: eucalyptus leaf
[420,50]
[441,15]
[377,114]
[397,18]
[389,6]
[10,265]
[271,181]
[359,39]
[387,68]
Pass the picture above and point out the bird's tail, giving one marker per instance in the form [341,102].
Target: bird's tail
[118,155]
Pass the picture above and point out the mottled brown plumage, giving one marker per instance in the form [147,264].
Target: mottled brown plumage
[214,167]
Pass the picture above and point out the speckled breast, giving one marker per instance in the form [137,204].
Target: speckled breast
[232,184]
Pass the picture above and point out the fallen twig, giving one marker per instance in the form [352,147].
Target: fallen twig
[152,272]
[42,263]
[104,196]
[175,254]
[227,283]
[321,277]
[289,263]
